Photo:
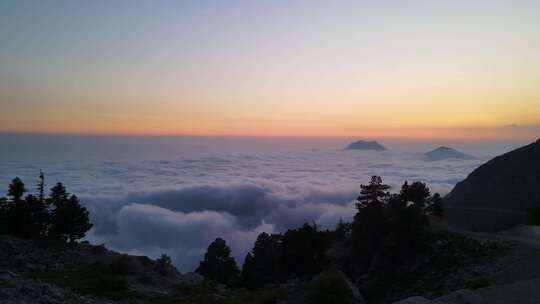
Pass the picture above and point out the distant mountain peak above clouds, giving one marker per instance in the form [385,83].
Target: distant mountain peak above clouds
[444,152]
[365,145]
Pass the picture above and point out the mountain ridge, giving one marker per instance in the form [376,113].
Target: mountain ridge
[499,193]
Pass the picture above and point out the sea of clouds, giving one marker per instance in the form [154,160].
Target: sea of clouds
[174,195]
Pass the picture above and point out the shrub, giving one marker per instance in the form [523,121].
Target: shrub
[144,260]
[120,265]
[164,265]
[533,216]
[111,283]
[330,287]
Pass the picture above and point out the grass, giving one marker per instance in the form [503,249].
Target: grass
[93,279]
[104,281]
[208,294]
[448,255]
[476,284]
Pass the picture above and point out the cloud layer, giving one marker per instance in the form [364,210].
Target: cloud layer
[175,196]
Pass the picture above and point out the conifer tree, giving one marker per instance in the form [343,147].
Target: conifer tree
[218,265]
[16,189]
[70,220]
[249,276]
[41,187]
[370,223]
[16,207]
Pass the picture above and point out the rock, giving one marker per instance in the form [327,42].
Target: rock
[190,279]
[365,145]
[335,277]
[354,290]
[463,296]
[12,274]
[222,288]
[416,300]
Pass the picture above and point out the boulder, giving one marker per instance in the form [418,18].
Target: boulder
[190,279]
[416,300]
[335,282]
[463,296]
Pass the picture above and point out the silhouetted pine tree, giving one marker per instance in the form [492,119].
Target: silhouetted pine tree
[4,216]
[60,216]
[417,193]
[16,207]
[36,218]
[58,195]
[370,223]
[16,189]
[303,251]
[70,220]
[218,265]
[41,187]
[249,277]
[436,207]
[342,229]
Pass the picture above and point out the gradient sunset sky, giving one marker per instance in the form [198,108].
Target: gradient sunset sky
[441,69]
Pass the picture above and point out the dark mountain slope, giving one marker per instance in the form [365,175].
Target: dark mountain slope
[497,194]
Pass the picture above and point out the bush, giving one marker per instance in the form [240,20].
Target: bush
[93,279]
[111,283]
[98,249]
[144,260]
[120,265]
[533,216]
[330,287]
[218,264]
[476,284]
[164,265]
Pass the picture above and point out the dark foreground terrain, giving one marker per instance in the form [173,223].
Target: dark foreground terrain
[485,268]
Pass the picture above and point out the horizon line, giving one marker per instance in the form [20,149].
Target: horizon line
[283,136]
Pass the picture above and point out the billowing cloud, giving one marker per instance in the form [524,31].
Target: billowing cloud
[183,222]
[153,230]
[250,203]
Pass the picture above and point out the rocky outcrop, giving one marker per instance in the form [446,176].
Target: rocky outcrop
[442,153]
[336,281]
[415,300]
[498,194]
[463,296]
[365,145]
[20,290]
[49,272]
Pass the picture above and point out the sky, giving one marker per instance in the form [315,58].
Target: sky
[418,69]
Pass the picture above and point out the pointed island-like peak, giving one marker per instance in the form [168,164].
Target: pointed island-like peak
[447,153]
[365,145]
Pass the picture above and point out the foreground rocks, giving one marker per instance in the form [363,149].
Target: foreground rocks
[44,272]
[463,296]
[482,270]
[16,289]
